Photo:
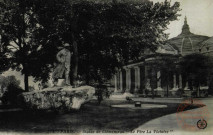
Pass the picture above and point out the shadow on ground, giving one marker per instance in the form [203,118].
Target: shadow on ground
[90,117]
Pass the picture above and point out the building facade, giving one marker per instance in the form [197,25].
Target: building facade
[155,74]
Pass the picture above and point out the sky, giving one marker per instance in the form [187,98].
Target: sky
[200,19]
[199,14]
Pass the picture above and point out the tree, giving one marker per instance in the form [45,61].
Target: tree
[20,50]
[17,22]
[55,20]
[103,36]
[13,89]
[197,68]
[11,80]
[112,34]
[6,81]
[167,65]
[3,58]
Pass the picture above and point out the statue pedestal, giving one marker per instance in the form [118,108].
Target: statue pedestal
[57,98]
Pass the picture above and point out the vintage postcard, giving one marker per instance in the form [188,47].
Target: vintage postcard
[83,67]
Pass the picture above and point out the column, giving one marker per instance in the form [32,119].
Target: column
[159,81]
[128,80]
[116,85]
[180,81]
[121,81]
[146,72]
[148,87]
[137,79]
[174,82]
[147,80]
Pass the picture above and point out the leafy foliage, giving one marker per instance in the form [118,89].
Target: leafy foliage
[19,25]
[118,32]
[197,68]
[10,96]
[12,89]
[104,36]
[9,80]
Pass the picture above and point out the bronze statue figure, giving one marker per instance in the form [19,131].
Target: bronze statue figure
[62,69]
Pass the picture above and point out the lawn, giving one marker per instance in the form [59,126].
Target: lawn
[90,117]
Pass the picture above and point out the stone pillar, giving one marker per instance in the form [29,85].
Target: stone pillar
[159,81]
[187,91]
[146,73]
[180,81]
[174,82]
[128,80]
[116,85]
[148,87]
[147,80]
[187,86]
[121,81]
[137,79]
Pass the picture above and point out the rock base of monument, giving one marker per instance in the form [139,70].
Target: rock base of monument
[57,98]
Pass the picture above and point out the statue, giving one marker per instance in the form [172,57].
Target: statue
[58,98]
[62,69]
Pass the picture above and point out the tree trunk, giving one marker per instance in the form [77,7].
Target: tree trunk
[26,77]
[26,82]
[87,79]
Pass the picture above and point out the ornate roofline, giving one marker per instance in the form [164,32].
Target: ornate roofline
[185,28]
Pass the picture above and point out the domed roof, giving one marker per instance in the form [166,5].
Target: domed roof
[187,42]
[207,46]
[166,49]
[208,42]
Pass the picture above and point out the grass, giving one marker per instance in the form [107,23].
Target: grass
[90,117]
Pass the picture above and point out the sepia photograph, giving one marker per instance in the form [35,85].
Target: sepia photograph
[136,67]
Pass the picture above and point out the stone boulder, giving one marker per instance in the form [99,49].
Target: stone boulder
[57,98]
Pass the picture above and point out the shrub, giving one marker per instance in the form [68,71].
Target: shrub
[10,96]
[179,93]
[102,92]
[146,92]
